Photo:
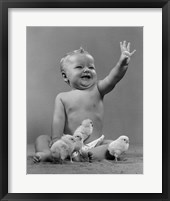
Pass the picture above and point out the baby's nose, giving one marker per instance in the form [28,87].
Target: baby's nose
[86,69]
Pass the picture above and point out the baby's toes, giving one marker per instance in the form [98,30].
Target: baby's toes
[90,156]
[36,158]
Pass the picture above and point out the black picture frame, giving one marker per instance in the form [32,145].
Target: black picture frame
[4,5]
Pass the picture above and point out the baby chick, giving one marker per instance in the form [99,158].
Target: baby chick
[71,142]
[63,148]
[79,141]
[86,129]
[119,146]
[79,154]
[59,151]
[81,134]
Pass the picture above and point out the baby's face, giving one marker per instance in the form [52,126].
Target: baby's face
[80,71]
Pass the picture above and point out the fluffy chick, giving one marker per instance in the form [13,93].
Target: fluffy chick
[79,154]
[85,129]
[63,148]
[119,146]
[79,141]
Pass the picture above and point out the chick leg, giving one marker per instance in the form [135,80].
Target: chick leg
[116,156]
[71,159]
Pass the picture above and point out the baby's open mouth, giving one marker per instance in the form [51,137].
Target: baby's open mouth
[86,76]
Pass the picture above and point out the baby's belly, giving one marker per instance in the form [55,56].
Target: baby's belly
[74,120]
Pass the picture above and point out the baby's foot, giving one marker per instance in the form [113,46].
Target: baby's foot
[37,157]
[40,157]
[90,156]
[83,157]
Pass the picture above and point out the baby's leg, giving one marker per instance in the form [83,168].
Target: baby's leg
[42,149]
[100,152]
[107,142]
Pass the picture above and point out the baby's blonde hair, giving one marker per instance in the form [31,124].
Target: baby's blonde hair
[79,51]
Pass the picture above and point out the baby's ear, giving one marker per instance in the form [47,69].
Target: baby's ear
[65,77]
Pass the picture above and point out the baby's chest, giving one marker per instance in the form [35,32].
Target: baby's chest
[83,101]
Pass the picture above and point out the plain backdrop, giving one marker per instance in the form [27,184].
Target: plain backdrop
[47,45]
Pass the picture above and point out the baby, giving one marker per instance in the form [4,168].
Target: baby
[84,101]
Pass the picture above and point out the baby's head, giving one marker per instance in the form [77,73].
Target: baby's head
[78,69]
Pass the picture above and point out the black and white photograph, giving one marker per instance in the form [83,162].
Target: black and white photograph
[84,100]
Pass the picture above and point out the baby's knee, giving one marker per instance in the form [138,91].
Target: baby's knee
[43,138]
[42,143]
[107,142]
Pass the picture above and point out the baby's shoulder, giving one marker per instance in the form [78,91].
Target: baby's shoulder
[63,95]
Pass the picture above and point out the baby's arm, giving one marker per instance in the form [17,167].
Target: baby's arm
[58,119]
[117,73]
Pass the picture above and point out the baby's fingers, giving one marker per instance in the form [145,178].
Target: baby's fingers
[132,52]
[123,46]
[128,47]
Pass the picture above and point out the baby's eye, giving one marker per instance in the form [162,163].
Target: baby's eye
[91,67]
[79,67]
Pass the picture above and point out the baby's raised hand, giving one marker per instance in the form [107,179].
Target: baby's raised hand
[125,53]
